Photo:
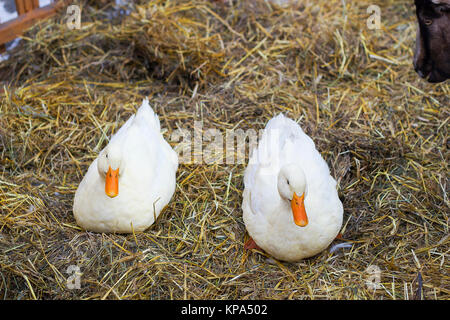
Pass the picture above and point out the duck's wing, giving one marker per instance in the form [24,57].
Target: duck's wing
[145,116]
[267,154]
[171,154]
[299,148]
[260,178]
[148,122]
[282,142]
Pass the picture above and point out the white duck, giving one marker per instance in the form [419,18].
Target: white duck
[132,179]
[291,208]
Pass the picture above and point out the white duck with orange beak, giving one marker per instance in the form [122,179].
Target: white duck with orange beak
[291,207]
[131,181]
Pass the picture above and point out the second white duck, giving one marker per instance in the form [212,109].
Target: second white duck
[291,207]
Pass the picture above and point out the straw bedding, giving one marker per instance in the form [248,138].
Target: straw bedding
[232,65]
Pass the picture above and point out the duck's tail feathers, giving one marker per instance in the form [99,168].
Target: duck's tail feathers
[148,116]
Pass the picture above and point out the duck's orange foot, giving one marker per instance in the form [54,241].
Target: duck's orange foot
[339,236]
[251,244]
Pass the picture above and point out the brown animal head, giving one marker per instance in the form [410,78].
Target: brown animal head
[432,54]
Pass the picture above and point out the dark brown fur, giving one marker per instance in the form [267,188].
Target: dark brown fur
[432,54]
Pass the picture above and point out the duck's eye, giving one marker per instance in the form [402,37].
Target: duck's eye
[106,155]
[428,22]
[287,181]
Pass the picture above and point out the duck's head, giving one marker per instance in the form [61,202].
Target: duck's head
[111,166]
[292,187]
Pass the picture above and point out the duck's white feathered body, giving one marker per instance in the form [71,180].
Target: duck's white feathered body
[146,183]
[267,216]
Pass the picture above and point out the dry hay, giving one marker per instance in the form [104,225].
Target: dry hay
[382,130]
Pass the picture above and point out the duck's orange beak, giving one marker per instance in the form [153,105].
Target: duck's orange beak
[298,210]
[112,183]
